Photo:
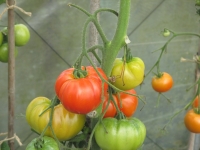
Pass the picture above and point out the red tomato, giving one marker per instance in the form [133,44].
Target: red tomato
[80,95]
[192,121]
[111,111]
[126,103]
[163,83]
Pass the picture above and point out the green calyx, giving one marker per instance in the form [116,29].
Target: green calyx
[127,55]
[39,143]
[79,73]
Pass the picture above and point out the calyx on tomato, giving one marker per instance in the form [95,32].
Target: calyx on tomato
[45,143]
[80,73]
[127,72]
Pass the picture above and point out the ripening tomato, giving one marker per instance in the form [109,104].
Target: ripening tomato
[128,103]
[65,124]
[125,102]
[46,143]
[4,53]
[111,110]
[196,102]
[80,95]
[123,134]
[127,75]
[192,121]
[163,83]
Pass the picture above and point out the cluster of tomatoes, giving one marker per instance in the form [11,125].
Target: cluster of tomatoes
[82,90]
[22,36]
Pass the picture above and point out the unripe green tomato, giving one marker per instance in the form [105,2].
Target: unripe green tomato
[47,143]
[1,38]
[127,75]
[123,134]
[22,35]
[4,53]
[166,33]
[197,3]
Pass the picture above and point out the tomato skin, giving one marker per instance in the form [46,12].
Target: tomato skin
[192,121]
[125,102]
[65,124]
[4,53]
[128,75]
[129,103]
[1,38]
[196,102]
[22,35]
[81,95]
[163,83]
[111,111]
[124,134]
[49,144]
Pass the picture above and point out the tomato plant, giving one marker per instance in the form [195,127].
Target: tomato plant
[128,75]
[162,82]
[80,94]
[192,121]
[4,52]
[129,134]
[64,123]
[46,143]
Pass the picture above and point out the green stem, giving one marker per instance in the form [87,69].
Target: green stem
[118,40]
[105,9]
[79,8]
[100,31]
[163,48]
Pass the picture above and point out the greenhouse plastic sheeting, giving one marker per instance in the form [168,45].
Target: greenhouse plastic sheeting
[56,42]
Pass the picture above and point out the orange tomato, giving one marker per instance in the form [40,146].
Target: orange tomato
[163,83]
[196,102]
[192,121]
[126,103]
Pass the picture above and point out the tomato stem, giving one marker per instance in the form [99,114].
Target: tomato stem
[164,48]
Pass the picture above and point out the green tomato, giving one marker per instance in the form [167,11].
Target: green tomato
[47,143]
[5,146]
[124,134]
[22,35]
[1,38]
[2,1]
[127,75]
[166,33]
[197,3]
[4,53]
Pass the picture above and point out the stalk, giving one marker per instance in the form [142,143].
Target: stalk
[118,41]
